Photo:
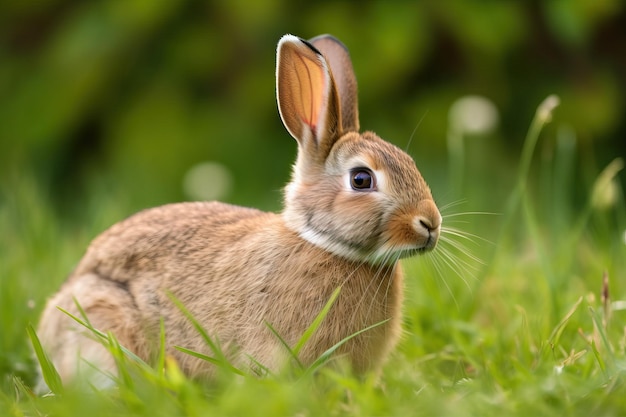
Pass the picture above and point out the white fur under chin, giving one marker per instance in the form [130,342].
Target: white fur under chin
[382,255]
[328,244]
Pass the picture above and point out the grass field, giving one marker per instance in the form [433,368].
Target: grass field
[523,312]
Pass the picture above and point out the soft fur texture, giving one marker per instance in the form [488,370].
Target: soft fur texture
[237,268]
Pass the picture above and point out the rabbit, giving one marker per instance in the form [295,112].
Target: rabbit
[354,207]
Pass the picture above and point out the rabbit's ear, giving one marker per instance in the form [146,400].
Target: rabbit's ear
[307,97]
[338,57]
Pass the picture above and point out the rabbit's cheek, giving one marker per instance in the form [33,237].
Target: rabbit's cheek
[360,216]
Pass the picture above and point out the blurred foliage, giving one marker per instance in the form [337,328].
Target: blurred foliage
[131,94]
[107,107]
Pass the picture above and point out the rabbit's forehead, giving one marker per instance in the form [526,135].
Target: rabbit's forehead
[369,151]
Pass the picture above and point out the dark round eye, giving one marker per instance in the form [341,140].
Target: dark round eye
[362,179]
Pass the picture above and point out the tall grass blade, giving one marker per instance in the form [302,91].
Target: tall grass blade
[324,357]
[123,369]
[316,322]
[602,332]
[219,359]
[555,336]
[543,115]
[598,357]
[21,391]
[206,358]
[48,371]
[600,187]
[308,333]
[284,343]
[100,336]
[259,369]
[161,357]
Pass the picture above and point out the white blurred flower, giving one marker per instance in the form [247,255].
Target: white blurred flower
[474,115]
[207,181]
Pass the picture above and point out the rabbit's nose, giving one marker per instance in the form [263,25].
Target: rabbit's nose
[427,223]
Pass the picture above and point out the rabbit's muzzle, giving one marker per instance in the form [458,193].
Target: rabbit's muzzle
[412,231]
[427,225]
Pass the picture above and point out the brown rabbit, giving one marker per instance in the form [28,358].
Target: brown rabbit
[355,205]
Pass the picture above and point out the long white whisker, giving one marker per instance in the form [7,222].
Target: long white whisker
[453,231]
[379,271]
[414,131]
[451,204]
[471,213]
[462,249]
[436,261]
[454,265]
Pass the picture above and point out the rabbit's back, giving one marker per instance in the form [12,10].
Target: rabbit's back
[154,241]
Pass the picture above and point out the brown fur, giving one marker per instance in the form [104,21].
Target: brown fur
[236,269]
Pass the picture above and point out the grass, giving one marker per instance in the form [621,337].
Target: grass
[537,327]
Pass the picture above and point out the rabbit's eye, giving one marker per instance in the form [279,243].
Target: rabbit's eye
[362,180]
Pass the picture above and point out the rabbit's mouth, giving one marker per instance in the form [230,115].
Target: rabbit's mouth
[393,255]
[407,253]
[430,244]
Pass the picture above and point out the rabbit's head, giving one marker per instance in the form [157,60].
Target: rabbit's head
[351,193]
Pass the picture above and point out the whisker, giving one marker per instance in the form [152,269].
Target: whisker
[365,293]
[435,260]
[379,272]
[453,231]
[447,221]
[406,149]
[463,250]
[470,213]
[455,265]
[452,204]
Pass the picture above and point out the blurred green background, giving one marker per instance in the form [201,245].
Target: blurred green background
[129,96]
[108,107]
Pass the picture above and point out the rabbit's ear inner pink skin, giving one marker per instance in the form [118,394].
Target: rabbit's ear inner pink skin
[307,99]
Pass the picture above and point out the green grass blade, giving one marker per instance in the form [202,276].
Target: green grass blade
[555,336]
[84,323]
[218,362]
[260,370]
[284,343]
[598,357]
[199,355]
[82,313]
[199,328]
[102,337]
[308,333]
[123,369]
[323,358]
[220,358]
[600,186]
[604,338]
[48,371]
[316,323]
[161,357]
[543,115]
